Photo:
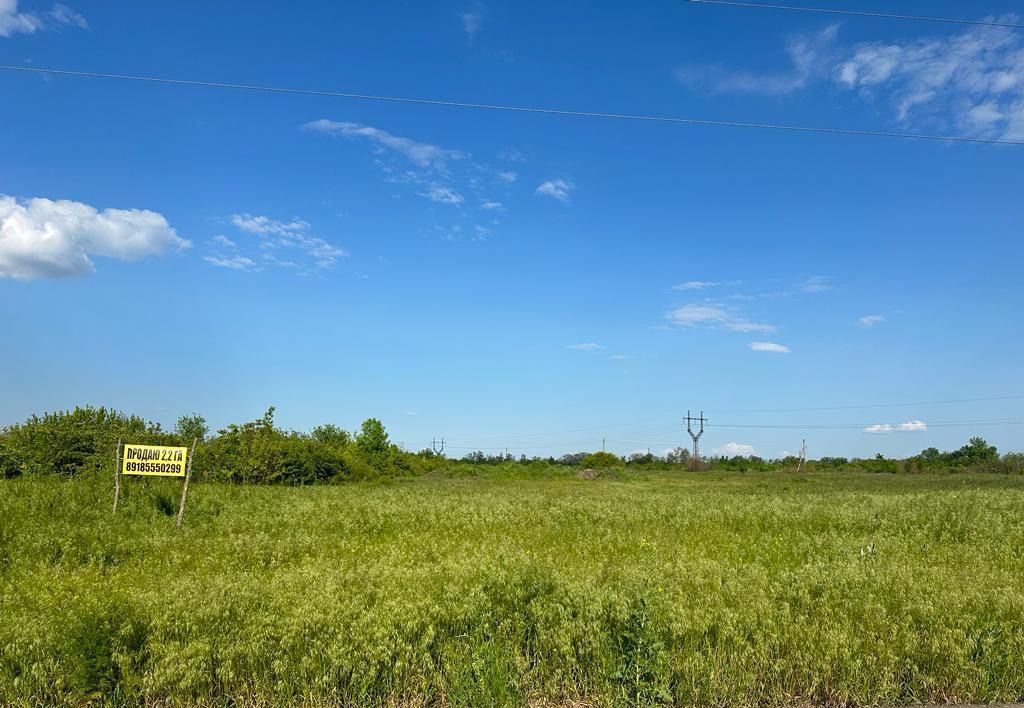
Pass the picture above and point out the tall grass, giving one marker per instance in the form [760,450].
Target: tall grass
[681,589]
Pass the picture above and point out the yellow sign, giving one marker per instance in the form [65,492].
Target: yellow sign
[154,460]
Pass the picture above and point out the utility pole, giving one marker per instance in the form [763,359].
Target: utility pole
[437,446]
[803,456]
[690,420]
[602,444]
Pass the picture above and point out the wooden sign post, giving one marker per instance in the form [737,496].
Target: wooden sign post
[154,461]
[184,489]
[117,474]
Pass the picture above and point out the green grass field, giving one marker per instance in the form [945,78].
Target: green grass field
[694,588]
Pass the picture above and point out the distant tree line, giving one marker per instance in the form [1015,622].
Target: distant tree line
[83,440]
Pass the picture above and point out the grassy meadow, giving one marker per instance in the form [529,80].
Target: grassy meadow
[630,589]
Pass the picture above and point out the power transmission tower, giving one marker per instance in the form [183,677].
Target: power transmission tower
[437,446]
[696,436]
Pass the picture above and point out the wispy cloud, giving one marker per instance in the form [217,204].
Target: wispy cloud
[768,347]
[586,347]
[45,238]
[974,79]
[695,285]
[233,262]
[64,15]
[265,225]
[816,284]
[734,449]
[13,22]
[715,315]
[439,174]
[443,195]
[471,22]
[277,237]
[512,154]
[420,154]
[619,357]
[870,320]
[971,81]
[913,426]
[807,54]
[556,189]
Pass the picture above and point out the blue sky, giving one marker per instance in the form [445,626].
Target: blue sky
[501,279]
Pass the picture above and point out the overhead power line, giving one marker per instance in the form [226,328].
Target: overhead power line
[857,426]
[515,109]
[875,405]
[857,13]
[657,427]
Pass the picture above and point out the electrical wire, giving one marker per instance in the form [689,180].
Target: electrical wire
[872,405]
[863,426]
[856,13]
[517,109]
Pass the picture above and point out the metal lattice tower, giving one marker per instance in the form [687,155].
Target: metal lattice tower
[690,420]
[437,446]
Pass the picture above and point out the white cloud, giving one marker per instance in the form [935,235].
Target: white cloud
[13,22]
[232,262]
[913,426]
[586,347]
[512,154]
[769,347]
[420,154]
[816,284]
[266,225]
[734,449]
[973,79]
[807,54]
[224,241]
[508,176]
[695,285]
[43,238]
[443,195]
[714,315]
[556,189]
[64,15]
[970,82]
[491,205]
[619,357]
[471,22]
[870,320]
[287,235]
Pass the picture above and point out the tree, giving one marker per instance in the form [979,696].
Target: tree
[678,456]
[190,427]
[977,450]
[331,435]
[373,443]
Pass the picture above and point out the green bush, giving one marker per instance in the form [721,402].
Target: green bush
[259,452]
[601,461]
[69,443]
